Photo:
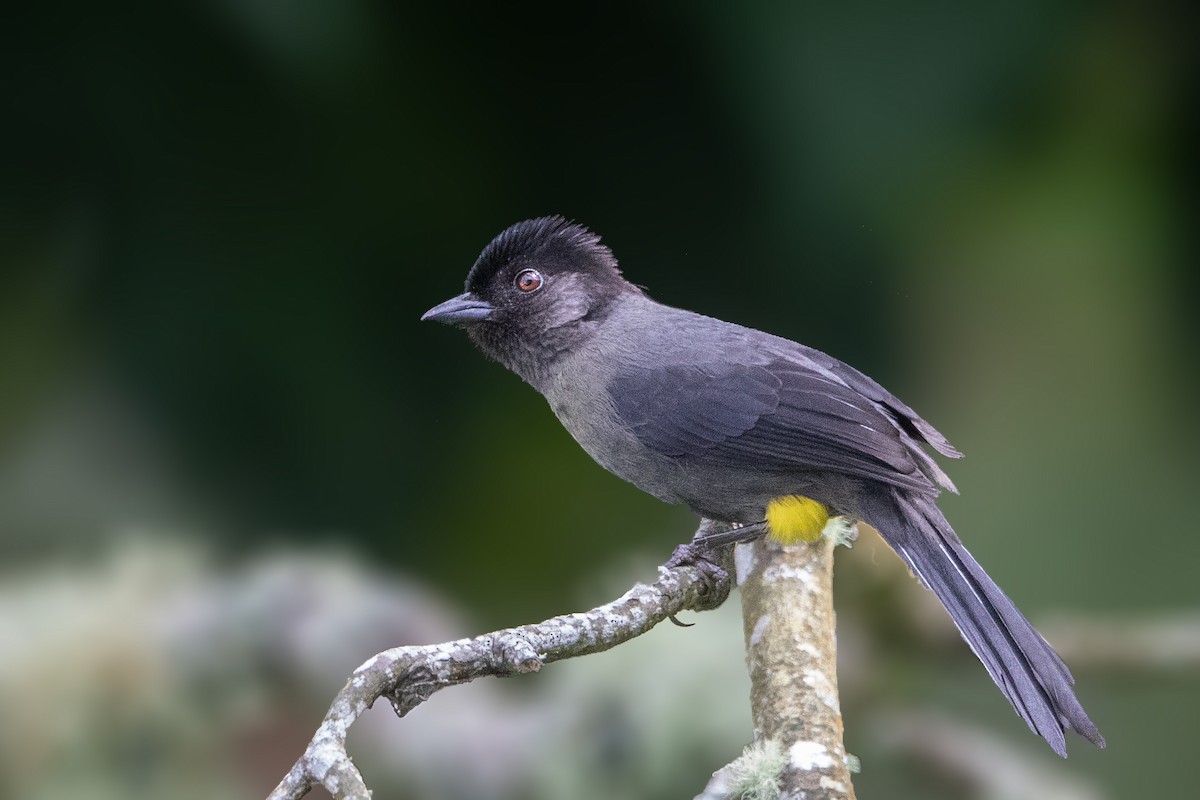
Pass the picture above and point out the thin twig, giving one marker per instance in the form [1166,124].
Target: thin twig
[408,676]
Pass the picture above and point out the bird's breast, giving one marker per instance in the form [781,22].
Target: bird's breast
[584,407]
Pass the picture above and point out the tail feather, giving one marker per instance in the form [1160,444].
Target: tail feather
[1030,674]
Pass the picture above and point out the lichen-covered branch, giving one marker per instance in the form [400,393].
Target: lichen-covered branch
[408,676]
[787,612]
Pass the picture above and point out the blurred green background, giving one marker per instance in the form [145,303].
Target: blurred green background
[219,223]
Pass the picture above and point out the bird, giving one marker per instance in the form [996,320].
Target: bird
[744,427]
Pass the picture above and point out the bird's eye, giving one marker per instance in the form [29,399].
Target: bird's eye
[529,280]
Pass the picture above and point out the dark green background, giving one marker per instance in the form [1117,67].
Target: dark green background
[219,223]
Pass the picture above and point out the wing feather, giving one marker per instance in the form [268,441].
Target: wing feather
[782,415]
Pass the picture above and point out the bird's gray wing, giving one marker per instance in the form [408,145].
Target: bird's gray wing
[780,415]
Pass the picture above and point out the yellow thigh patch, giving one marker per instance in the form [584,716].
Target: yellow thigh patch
[793,518]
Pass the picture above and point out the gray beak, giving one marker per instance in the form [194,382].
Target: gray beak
[457,310]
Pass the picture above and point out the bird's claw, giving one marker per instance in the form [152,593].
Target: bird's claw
[716,578]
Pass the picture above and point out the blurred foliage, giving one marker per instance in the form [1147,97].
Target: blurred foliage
[220,221]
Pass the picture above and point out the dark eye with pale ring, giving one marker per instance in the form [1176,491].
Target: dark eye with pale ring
[529,280]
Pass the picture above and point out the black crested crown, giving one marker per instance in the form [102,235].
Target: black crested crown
[552,242]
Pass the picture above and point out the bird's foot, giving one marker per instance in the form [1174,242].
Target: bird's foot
[715,577]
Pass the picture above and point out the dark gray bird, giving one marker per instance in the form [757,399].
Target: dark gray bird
[743,426]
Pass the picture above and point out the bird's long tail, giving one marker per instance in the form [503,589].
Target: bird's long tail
[1031,675]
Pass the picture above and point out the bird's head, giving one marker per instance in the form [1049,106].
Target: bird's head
[538,289]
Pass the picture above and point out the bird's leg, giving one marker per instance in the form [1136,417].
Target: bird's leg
[712,537]
[705,552]
[707,548]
